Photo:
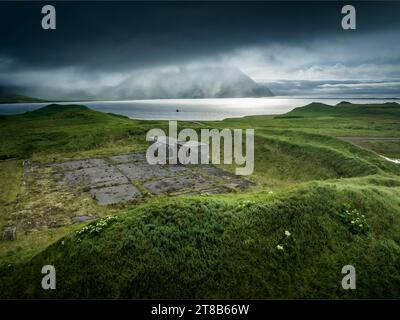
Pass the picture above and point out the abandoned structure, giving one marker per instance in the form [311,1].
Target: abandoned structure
[191,151]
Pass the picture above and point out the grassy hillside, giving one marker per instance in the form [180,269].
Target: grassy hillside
[65,129]
[309,182]
[227,248]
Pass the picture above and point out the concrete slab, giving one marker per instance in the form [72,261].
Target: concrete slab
[144,171]
[177,184]
[111,183]
[217,172]
[115,194]
[94,177]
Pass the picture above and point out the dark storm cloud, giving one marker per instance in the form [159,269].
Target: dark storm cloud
[117,35]
[102,43]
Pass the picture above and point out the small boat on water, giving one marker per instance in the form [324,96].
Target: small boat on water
[177,110]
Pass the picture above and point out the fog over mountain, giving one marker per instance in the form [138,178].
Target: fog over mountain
[167,83]
[210,82]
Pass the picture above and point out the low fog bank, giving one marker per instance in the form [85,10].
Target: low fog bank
[167,83]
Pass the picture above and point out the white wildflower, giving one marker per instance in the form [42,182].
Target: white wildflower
[279,247]
[287,233]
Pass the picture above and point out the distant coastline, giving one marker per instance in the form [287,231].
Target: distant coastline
[194,109]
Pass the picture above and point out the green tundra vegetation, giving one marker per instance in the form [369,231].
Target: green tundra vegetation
[324,198]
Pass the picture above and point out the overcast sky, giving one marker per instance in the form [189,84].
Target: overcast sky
[297,48]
